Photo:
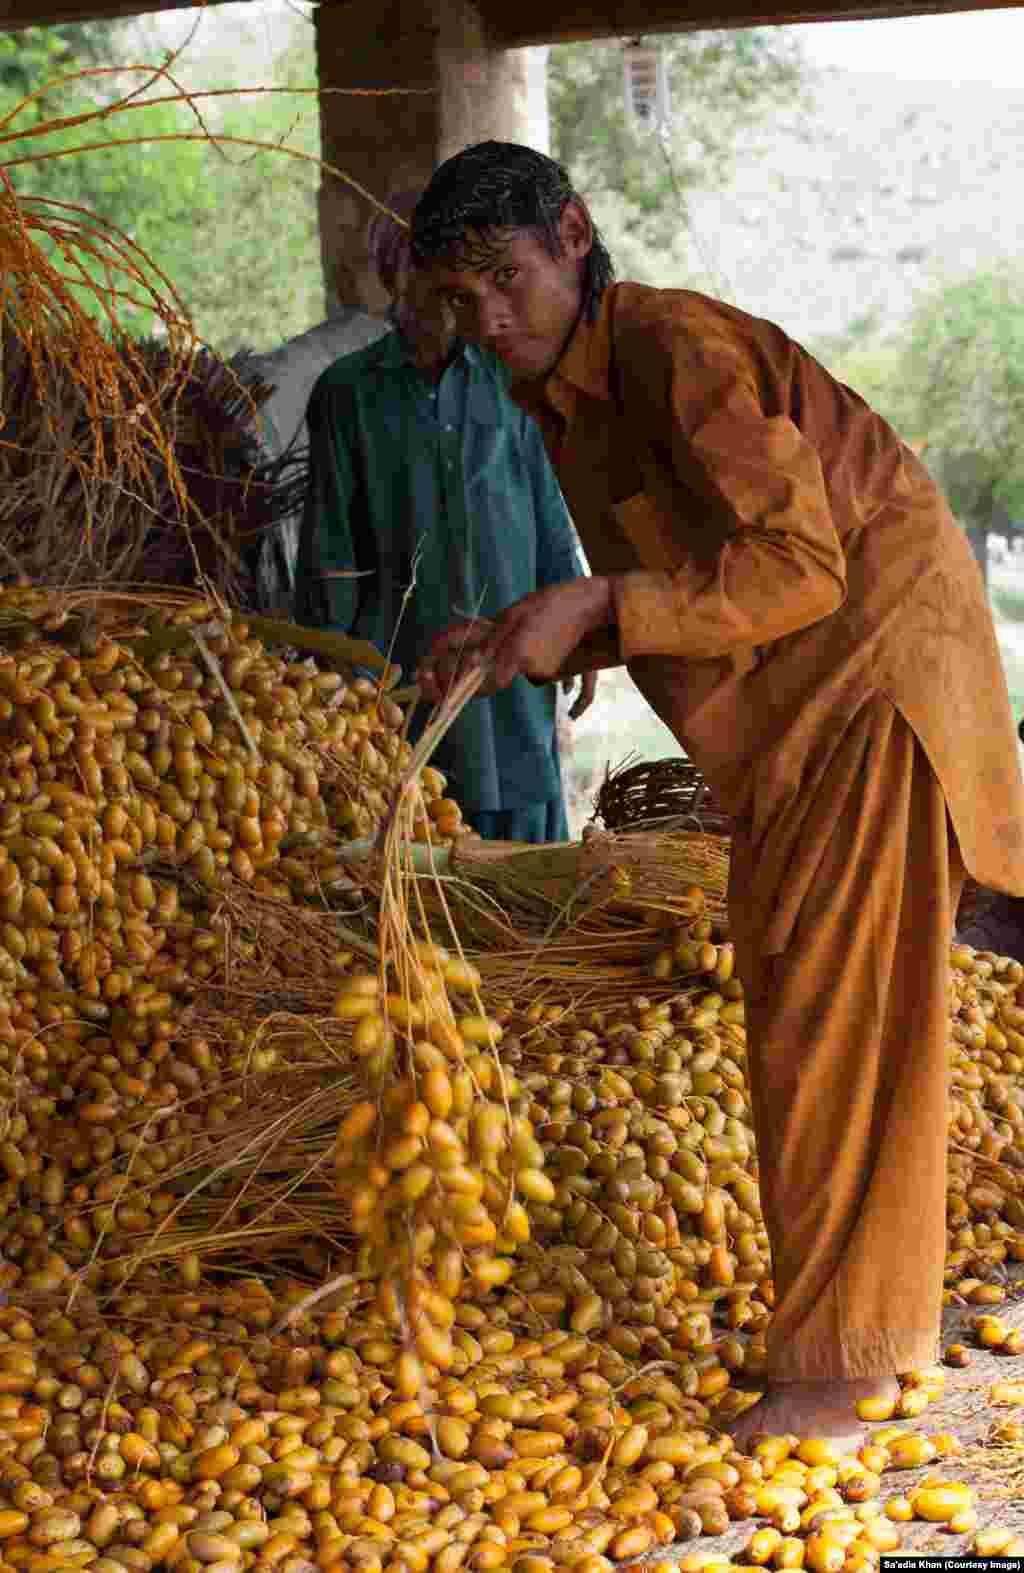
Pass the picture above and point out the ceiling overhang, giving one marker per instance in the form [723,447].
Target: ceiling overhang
[512,25]
[556,21]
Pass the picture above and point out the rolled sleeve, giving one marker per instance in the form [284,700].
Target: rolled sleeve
[779,566]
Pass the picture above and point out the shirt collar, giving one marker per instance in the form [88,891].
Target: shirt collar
[394,354]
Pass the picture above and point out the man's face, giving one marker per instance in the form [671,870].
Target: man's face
[421,315]
[522,303]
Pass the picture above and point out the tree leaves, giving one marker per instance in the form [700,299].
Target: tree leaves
[962,374]
[721,85]
[951,380]
[235,230]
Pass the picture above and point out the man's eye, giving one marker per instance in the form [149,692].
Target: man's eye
[505,275]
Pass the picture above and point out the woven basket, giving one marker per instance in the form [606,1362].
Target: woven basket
[664,794]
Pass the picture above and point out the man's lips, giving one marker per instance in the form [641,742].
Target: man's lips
[510,349]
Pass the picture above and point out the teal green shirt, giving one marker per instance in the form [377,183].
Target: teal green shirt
[446,488]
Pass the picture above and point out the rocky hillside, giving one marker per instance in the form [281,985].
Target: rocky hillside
[840,215]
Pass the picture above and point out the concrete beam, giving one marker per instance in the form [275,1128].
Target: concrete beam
[377,141]
[541,22]
[534,22]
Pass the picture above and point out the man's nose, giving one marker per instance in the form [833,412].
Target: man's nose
[492,320]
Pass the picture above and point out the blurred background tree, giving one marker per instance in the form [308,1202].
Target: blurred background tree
[952,382]
[963,383]
[721,87]
[234,229]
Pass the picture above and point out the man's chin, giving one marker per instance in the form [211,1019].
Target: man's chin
[525,362]
[423,328]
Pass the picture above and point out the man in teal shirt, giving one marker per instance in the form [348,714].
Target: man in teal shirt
[424,474]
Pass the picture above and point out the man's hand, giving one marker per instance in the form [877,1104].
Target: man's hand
[534,638]
[456,650]
[585,697]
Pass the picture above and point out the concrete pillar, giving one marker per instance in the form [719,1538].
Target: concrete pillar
[464,91]
[376,141]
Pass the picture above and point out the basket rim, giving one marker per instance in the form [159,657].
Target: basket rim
[697,823]
[658,794]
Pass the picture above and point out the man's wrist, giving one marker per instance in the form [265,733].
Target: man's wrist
[604,606]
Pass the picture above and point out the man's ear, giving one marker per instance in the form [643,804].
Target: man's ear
[575,231]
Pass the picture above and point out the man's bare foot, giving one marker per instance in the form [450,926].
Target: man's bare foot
[812,1409]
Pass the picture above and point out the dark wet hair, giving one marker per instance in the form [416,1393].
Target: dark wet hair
[496,186]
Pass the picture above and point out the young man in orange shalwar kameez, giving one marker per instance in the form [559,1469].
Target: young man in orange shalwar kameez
[793,597]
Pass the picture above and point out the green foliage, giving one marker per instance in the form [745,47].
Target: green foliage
[37,55]
[151,192]
[964,382]
[952,381]
[1008,603]
[257,275]
[721,85]
[233,228]
[871,369]
[865,327]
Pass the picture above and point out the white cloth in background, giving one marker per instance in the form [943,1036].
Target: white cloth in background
[292,370]
[294,367]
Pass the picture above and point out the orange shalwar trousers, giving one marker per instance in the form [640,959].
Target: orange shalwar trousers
[847,1033]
